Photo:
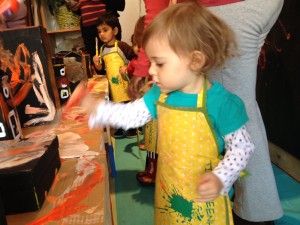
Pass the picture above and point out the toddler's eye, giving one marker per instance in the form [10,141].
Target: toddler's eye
[159,64]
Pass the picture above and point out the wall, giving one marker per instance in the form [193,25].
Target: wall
[278,92]
[133,10]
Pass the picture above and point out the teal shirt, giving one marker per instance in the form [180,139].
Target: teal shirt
[225,109]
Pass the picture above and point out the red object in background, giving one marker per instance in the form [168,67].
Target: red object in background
[12,5]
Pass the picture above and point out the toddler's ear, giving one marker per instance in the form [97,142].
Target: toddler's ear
[116,31]
[197,61]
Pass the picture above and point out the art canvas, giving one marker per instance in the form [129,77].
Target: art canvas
[24,58]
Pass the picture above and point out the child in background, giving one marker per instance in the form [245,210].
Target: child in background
[127,70]
[197,120]
[90,10]
[147,176]
[113,55]
[136,40]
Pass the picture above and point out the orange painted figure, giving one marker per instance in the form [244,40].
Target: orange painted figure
[26,75]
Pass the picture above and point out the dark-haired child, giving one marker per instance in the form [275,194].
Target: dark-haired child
[113,55]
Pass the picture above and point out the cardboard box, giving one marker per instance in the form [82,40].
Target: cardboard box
[94,206]
[2,214]
[77,67]
[24,187]
[79,56]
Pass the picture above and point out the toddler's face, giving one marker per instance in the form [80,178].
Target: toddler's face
[107,34]
[170,72]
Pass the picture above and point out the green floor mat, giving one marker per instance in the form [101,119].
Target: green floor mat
[289,194]
[134,203]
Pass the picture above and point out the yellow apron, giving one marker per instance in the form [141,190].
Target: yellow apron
[117,85]
[187,148]
[151,136]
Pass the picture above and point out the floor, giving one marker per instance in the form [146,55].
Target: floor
[289,194]
[132,204]
[130,200]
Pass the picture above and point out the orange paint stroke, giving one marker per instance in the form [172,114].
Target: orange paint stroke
[58,178]
[74,197]
[52,199]
[22,93]
[80,130]
[63,127]
[17,151]
[36,134]
[84,130]
[78,116]
[91,142]
[81,118]
[72,116]
[20,86]
[62,160]
[162,184]
[78,94]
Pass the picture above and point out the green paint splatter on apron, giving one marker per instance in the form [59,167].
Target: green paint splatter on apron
[181,206]
[115,80]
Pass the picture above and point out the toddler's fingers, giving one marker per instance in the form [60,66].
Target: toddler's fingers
[206,198]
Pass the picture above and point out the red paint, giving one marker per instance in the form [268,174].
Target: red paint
[72,204]
[271,44]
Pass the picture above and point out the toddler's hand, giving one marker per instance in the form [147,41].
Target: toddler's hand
[96,59]
[122,70]
[209,187]
[81,92]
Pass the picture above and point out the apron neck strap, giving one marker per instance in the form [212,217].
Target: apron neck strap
[116,46]
[163,97]
[201,99]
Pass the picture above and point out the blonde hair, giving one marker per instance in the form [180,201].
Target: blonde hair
[191,27]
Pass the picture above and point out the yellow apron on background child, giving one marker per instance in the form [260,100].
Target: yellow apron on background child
[117,84]
[187,148]
[151,136]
